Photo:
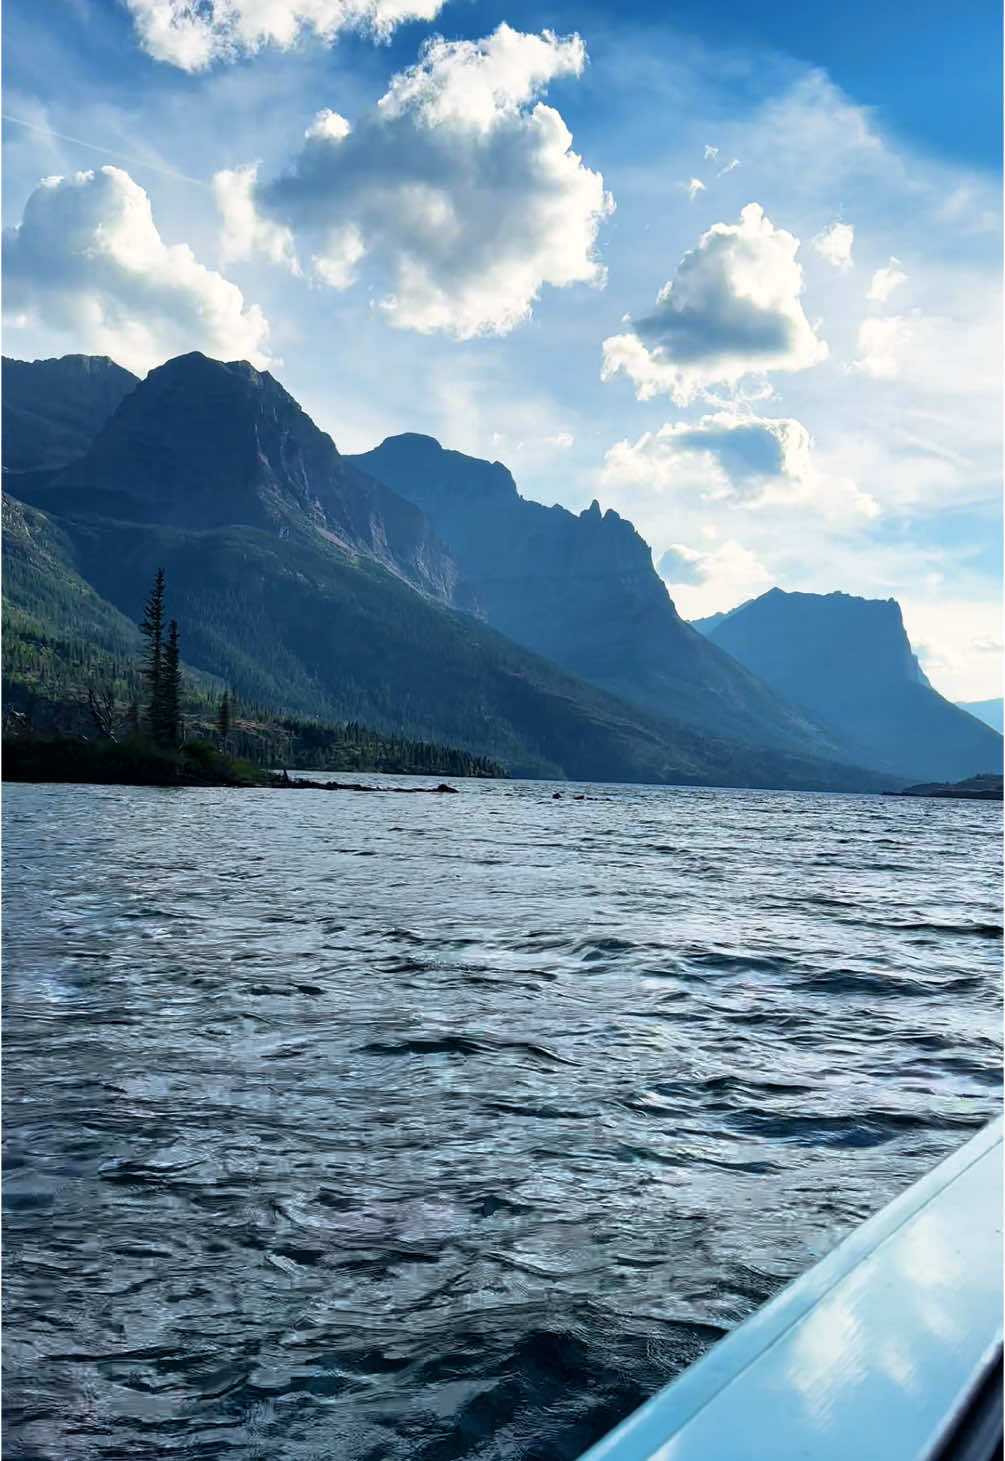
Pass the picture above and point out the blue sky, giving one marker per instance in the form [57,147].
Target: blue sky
[484,255]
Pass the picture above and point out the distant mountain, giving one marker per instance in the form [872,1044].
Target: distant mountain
[848,662]
[582,590]
[53,409]
[705,626]
[990,711]
[313,589]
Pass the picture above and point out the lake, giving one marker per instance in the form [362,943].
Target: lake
[365,1126]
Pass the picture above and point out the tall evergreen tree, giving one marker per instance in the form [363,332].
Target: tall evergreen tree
[153,663]
[223,720]
[171,687]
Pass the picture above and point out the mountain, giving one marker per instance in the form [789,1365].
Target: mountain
[582,591]
[53,409]
[204,445]
[313,589]
[848,661]
[989,711]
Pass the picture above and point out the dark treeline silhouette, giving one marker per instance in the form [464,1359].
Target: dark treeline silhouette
[145,703]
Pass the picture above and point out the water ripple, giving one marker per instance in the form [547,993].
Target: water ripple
[452,1128]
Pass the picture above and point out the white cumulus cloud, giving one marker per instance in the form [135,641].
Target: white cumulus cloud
[835,244]
[885,281]
[694,187]
[461,187]
[88,264]
[194,34]
[715,579]
[733,458]
[733,309]
[246,231]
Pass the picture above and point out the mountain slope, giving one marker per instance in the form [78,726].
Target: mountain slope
[582,590]
[53,409]
[314,590]
[849,662]
[304,629]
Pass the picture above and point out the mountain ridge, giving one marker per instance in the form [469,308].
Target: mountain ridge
[581,590]
[52,409]
[320,622]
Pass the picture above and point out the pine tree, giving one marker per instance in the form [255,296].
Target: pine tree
[171,687]
[223,720]
[153,664]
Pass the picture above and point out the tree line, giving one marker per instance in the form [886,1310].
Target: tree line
[56,686]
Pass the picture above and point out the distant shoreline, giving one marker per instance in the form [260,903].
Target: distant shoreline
[137,762]
[984,788]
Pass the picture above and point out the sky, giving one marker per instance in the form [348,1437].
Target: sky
[732,270]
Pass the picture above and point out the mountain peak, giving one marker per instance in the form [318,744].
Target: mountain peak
[52,409]
[204,444]
[581,589]
[226,379]
[444,474]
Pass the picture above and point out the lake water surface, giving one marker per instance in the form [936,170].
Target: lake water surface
[366,1126]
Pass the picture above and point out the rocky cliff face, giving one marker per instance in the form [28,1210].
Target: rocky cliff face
[53,409]
[203,445]
[849,663]
[582,590]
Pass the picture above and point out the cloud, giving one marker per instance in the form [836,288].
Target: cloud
[728,168]
[245,231]
[680,564]
[880,345]
[728,457]
[834,245]
[733,309]
[194,34]
[460,186]
[885,281]
[724,576]
[950,636]
[711,153]
[88,264]
[694,187]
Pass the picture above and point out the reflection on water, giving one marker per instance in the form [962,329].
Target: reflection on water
[340,1125]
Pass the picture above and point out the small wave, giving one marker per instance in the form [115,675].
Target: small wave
[854,1129]
[452,1044]
[857,981]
